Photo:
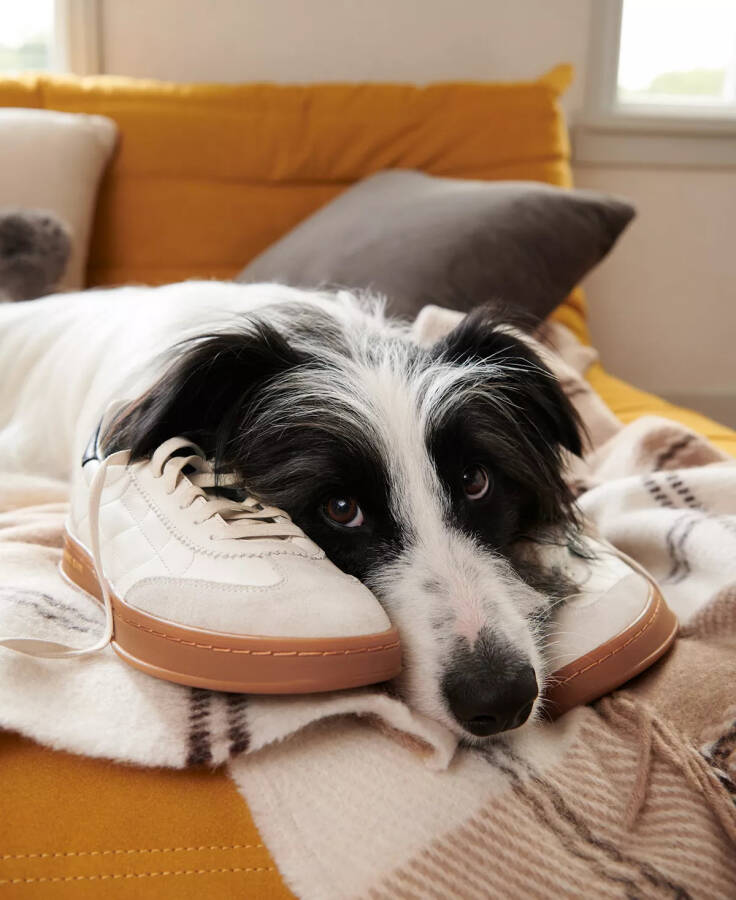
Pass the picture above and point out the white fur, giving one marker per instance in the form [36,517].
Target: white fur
[63,357]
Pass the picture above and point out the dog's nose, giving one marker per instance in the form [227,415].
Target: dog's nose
[498,702]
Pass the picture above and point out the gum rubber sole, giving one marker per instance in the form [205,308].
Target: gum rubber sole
[615,662]
[238,663]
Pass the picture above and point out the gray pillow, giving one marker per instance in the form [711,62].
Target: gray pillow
[420,239]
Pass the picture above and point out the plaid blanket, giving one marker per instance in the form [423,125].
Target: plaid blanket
[633,797]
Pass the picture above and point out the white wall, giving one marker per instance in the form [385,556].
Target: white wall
[663,306]
[336,40]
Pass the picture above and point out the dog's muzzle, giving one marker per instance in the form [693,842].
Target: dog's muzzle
[490,688]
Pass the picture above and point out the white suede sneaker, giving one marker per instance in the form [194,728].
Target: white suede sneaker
[613,627]
[210,592]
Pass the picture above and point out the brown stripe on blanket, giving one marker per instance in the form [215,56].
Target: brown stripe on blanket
[503,851]
[49,608]
[687,451]
[719,748]
[410,886]
[573,838]
[668,809]
[200,752]
[721,754]
[716,619]
[526,843]
[674,480]
[238,733]
[449,876]
[675,546]
[669,453]
[656,491]
[636,867]
[502,833]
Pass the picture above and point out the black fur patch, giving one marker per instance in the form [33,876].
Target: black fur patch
[516,427]
[204,393]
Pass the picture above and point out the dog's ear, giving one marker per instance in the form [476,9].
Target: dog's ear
[204,391]
[500,339]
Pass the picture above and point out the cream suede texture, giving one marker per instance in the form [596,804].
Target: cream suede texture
[313,599]
[590,619]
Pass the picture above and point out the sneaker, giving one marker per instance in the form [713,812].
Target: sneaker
[613,627]
[211,592]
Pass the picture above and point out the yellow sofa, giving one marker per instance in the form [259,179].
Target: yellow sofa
[205,177]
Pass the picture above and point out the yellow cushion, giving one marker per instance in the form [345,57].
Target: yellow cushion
[630,403]
[80,828]
[207,176]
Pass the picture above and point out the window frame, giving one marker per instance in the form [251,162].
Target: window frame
[622,134]
[77,37]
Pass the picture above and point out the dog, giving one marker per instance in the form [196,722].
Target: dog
[421,470]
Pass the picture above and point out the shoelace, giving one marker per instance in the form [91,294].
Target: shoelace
[244,519]
[239,520]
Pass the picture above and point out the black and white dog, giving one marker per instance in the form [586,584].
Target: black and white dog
[419,469]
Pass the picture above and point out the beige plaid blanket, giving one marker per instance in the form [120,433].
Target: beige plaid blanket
[633,797]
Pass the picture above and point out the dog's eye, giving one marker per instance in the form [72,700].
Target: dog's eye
[476,482]
[344,511]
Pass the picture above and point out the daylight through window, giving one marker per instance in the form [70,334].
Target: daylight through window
[678,54]
[27,35]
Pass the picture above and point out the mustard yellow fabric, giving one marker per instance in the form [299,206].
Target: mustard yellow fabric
[206,176]
[630,403]
[79,828]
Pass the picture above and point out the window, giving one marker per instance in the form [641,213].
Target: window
[677,56]
[661,84]
[49,35]
[27,36]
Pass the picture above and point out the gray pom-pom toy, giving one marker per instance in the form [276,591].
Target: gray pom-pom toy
[34,251]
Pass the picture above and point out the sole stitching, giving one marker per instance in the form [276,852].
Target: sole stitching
[118,875]
[123,852]
[602,659]
[168,637]
[298,653]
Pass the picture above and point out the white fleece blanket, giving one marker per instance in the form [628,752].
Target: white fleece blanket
[348,808]
[98,706]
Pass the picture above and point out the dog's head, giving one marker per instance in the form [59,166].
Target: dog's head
[418,470]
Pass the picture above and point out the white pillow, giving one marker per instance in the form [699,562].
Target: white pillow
[54,161]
